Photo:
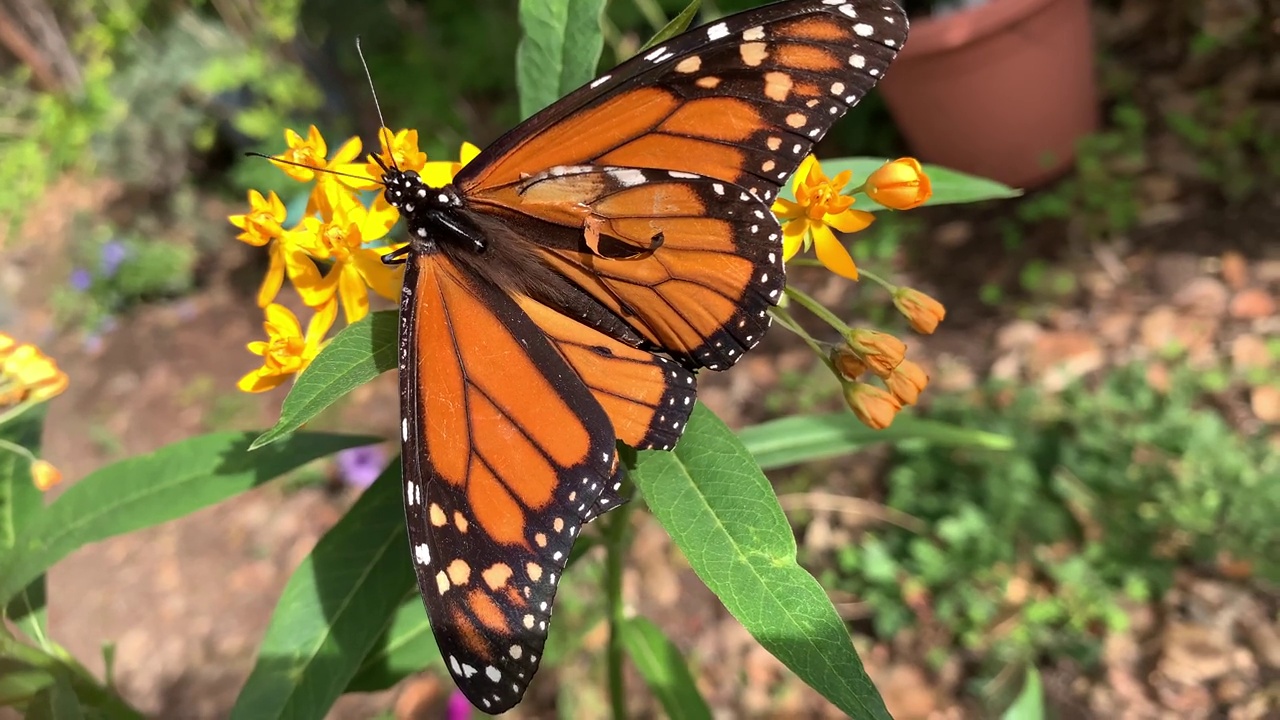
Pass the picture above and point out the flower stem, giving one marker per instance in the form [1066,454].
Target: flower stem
[876,278]
[817,309]
[785,320]
[17,450]
[616,545]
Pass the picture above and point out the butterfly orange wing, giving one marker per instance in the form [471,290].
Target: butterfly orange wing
[728,111]
[506,453]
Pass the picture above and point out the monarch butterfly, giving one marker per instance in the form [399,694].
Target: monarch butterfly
[560,295]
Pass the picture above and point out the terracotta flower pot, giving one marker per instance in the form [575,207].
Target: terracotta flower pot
[1002,90]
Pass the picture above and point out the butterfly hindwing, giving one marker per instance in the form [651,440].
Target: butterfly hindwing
[506,453]
[647,397]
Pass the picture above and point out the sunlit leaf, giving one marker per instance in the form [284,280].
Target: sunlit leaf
[664,670]
[559,50]
[338,603]
[153,488]
[721,511]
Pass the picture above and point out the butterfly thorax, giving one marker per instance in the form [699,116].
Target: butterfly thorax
[434,215]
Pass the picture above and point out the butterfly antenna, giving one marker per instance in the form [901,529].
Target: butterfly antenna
[382,124]
[312,168]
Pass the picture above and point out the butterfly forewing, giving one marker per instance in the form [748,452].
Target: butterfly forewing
[733,106]
[505,456]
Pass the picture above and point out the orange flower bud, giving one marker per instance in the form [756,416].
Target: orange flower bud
[847,363]
[45,475]
[881,352]
[873,407]
[899,184]
[922,311]
[907,381]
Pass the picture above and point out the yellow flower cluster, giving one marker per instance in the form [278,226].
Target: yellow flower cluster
[28,377]
[334,255]
[821,205]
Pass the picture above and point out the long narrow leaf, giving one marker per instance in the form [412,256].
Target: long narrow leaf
[664,670]
[559,50]
[404,649]
[21,504]
[722,513]
[337,604]
[154,488]
[804,438]
[359,353]
[678,24]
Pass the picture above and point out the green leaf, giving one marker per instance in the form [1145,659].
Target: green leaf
[678,24]
[359,353]
[803,438]
[559,50]
[21,504]
[19,682]
[404,649]
[664,670]
[949,186]
[1029,705]
[57,701]
[337,604]
[722,513]
[154,488]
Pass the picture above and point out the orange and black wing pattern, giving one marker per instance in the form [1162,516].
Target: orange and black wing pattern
[561,293]
[670,160]
[506,454]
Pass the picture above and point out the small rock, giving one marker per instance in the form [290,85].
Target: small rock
[908,694]
[1159,188]
[420,698]
[1267,271]
[1163,328]
[1017,335]
[1252,304]
[1061,357]
[1203,296]
[953,234]
[1116,328]
[1173,271]
[1265,402]
[1250,352]
[1158,377]
[1235,270]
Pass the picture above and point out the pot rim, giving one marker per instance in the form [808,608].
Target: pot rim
[931,35]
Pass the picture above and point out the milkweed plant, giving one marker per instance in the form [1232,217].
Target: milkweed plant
[363,628]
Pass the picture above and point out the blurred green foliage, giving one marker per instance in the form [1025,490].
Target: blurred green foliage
[112,271]
[1033,552]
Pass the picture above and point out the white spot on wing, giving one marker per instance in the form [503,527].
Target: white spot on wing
[627,177]
[863,30]
[600,81]
[422,554]
[717,31]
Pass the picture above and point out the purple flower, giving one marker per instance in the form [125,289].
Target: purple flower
[113,253]
[359,467]
[81,279]
[459,706]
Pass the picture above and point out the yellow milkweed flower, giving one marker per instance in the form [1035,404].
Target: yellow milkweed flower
[899,184]
[311,152]
[817,209]
[286,351]
[356,269]
[27,375]
[45,475]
